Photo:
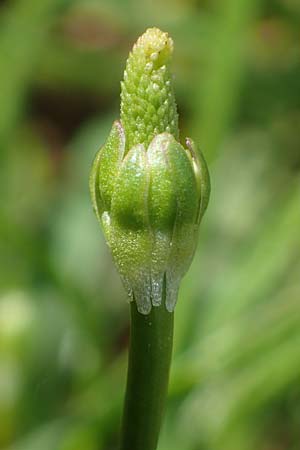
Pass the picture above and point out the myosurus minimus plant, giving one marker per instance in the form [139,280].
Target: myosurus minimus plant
[149,193]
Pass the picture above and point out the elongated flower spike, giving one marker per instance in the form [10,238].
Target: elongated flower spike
[148,191]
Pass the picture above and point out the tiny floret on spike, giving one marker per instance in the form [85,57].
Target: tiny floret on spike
[148,191]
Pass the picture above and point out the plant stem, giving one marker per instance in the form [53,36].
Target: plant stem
[147,378]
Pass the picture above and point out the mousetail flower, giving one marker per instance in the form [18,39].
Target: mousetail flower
[148,191]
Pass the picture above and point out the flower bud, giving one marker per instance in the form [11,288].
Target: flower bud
[148,191]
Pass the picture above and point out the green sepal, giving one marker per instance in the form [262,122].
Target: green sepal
[94,187]
[162,207]
[162,198]
[129,241]
[184,237]
[105,169]
[202,176]
[129,201]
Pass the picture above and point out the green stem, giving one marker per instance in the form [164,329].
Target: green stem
[147,378]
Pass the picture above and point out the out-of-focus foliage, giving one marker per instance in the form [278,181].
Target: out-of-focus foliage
[63,319]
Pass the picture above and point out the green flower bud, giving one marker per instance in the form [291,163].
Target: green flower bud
[148,191]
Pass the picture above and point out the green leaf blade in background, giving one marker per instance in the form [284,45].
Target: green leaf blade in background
[63,319]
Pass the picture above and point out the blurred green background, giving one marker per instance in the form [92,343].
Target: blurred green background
[235,379]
